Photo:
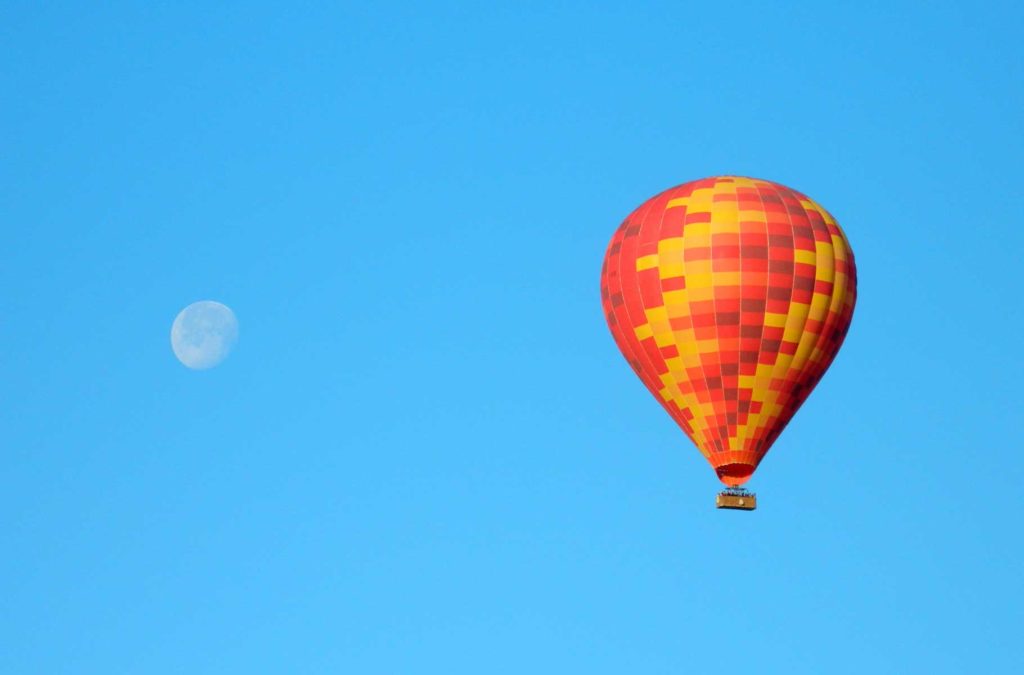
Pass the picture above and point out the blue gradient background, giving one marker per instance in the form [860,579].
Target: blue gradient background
[426,454]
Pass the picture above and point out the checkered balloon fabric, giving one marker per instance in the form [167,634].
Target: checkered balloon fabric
[729,297]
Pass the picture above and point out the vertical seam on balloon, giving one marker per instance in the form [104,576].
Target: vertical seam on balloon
[767,426]
[843,316]
[752,428]
[640,355]
[724,442]
[833,319]
[655,202]
[733,435]
[692,435]
[709,412]
[719,411]
[757,426]
[786,415]
[808,341]
[627,332]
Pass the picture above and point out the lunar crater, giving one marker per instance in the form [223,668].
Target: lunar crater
[203,334]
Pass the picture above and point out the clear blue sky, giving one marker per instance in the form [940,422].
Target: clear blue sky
[426,454]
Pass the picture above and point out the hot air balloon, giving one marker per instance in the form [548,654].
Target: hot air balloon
[729,297]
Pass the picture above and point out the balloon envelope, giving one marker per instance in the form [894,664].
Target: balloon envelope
[729,297]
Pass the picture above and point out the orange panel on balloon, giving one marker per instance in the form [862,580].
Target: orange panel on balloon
[729,297]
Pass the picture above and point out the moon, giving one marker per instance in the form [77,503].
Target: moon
[203,334]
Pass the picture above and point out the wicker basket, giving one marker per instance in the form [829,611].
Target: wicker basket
[743,502]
